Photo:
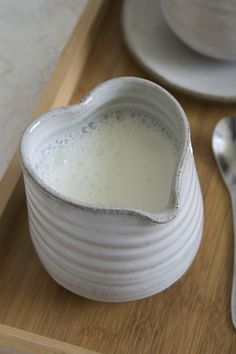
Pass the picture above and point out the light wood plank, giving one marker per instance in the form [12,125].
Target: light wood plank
[21,342]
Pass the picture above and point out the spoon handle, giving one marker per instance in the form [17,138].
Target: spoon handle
[233,291]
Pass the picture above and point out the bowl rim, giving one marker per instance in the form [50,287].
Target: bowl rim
[159,218]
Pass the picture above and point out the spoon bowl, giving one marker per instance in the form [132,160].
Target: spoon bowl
[224,147]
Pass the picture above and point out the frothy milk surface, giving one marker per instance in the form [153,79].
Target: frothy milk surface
[123,159]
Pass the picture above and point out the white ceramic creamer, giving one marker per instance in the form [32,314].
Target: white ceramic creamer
[115,207]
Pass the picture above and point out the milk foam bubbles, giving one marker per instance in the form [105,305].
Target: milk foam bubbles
[123,159]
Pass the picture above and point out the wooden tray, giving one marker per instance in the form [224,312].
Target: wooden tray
[192,316]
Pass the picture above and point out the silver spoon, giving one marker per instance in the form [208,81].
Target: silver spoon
[224,148]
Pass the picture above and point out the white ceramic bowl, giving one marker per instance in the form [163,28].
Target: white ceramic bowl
[115,254]
[209,26]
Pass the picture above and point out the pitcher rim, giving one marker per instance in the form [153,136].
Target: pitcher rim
[162,217]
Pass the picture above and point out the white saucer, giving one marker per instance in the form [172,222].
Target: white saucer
[168,59]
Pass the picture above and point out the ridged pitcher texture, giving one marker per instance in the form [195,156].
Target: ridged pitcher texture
[115,254]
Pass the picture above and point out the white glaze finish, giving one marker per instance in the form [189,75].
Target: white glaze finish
[115,254]
[208,27]
[167,58]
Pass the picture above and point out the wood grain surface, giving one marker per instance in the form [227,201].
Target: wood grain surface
[16,341]
[192,316]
